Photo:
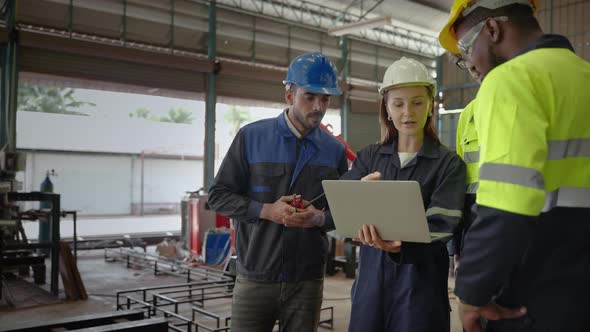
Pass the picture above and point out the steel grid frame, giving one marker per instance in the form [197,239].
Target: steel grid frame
[308,13]
[164,265]
[178,294]
[210,284]
[177,320]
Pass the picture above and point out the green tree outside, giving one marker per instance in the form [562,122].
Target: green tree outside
[236,117]
[46,99]
[141,113]
[178,115]
[175,115]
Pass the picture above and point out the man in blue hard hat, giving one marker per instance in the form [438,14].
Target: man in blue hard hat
[271,165]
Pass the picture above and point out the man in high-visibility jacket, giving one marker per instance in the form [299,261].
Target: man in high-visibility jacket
[467,147]
[526,258]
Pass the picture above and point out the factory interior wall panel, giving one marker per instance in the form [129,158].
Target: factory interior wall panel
[270,54]
[249,88]
[165,180]
[92,49]
[363,106]
[191,24]
[190,19]
[568,18]
[269,43]
[330,46]
[43,13]
[71,65]
[110,23]
[364,71]
[190,40]
[91,184]
[369,69]
[363,130]
[234,48]
[159,33]
[308,40]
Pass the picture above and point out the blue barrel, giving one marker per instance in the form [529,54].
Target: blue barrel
[217,248]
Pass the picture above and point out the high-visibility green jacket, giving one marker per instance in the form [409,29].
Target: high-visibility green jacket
[468,147]
[529,245]
[534,131]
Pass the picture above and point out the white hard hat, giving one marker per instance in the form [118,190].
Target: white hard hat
[406,72]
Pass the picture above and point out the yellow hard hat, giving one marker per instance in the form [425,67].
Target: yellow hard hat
[448,36]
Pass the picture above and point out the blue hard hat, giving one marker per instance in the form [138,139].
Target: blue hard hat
[315,73]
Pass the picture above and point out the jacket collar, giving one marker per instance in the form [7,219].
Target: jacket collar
[548,41]
[428,150]
[313,136]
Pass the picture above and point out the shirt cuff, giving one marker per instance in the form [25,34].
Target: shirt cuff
[254,209]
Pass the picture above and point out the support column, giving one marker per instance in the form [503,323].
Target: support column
[211,101]
[345,109]
[9,87]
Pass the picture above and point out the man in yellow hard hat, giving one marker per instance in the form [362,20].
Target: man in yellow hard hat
[526,258]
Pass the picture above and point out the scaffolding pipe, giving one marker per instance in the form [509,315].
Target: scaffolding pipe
[345,110]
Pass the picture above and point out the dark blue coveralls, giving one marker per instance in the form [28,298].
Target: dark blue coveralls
[408,291]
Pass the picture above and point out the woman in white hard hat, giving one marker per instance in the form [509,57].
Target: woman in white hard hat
[403,286]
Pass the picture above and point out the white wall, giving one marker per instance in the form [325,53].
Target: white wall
[96,156]
[45,131]
[96,184]
[88,183]
[166,180]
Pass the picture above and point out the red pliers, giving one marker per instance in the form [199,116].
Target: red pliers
[297,203]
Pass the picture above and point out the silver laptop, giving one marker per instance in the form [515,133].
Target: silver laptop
[394,207]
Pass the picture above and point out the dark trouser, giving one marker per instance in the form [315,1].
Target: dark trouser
[256,306]
[401,293]
[553,281]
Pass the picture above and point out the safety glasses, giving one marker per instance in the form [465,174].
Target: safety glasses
[465,44]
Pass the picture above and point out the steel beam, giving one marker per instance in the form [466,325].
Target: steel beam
[309,14]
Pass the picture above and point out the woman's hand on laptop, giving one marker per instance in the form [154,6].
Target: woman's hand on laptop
[368,235]
[375,176]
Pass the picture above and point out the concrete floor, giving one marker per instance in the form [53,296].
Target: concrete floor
[103,280]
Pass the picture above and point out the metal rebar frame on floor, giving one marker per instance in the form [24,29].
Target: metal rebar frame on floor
[164,265]
[166,300]
[172,301]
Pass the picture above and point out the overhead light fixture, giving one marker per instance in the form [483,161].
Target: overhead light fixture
[359,26]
